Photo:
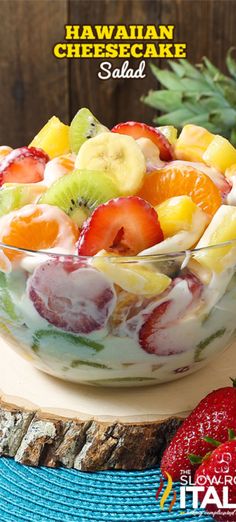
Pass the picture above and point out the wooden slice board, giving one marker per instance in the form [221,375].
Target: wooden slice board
[45,421]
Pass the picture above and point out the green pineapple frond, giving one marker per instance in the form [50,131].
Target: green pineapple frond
[199,94]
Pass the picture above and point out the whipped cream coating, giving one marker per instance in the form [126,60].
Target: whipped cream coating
[201,332]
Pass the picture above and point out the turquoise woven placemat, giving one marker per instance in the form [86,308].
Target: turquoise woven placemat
[43,495]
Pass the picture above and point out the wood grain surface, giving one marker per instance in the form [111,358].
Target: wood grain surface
[34,84]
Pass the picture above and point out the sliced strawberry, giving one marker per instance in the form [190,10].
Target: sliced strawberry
[71,297]
[157,334]
[23,165]
[141,130]
[123,225]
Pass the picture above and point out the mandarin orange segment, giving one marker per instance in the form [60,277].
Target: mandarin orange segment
[172,181]
[66,162]
[38,227]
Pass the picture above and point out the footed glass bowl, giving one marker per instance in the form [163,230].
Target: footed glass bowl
[113,321]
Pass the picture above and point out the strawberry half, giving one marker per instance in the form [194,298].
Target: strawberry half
[23,165]
[71,296]
[157,334]
[141,130]
[123,225]
[218,469]
[213,417]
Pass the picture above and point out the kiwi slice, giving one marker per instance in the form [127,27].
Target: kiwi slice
[14,196]
[84,126]
[80,192]
[55,335]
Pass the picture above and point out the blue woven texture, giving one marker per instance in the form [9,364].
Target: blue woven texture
[30,495]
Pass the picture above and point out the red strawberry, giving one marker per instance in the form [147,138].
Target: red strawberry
[157,334]
[213,416]
[124,225]
[23,165]
[72,297]
[218,469]
[141,130]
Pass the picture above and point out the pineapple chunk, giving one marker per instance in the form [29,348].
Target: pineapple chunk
[192,143]
[176,214]
[170,133]
[202,272]
[182,223]
[230,171]
[221,229]
[53,138]
[132,277]
[220,154]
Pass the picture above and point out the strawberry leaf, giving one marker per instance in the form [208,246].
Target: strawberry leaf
[231,434]
[195,459]
[214,442]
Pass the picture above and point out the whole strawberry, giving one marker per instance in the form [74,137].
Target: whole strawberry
[213,417]
[218,469]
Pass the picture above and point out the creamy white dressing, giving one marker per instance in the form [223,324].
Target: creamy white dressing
[231,198]
[54,170]
[151,153]
[65,241]
[123,357]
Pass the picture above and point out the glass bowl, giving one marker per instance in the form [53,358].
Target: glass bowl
[118,321]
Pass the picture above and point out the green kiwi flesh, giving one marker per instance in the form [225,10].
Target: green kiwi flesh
[83,126]
[80,192]
[15,196]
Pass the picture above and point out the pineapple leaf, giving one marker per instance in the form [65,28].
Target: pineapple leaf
[175,118]
[163,100]
[200,94]
[230,96]
[177,68]
[231,63]
[190,70]
[167,78]
[193,85]
[212,84]
[200,119]
[223,118]
[183,117]
[217,75]
[233,136]
[210,67]
[206,101]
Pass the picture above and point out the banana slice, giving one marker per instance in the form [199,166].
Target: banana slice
[119,156]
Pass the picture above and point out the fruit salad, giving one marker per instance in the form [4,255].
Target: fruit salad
[118,250]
